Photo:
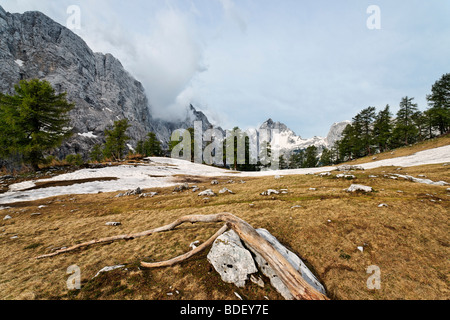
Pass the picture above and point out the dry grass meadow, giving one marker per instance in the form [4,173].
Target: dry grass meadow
[408,240]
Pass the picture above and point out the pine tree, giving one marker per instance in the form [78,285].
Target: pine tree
[362,123]
[116,140]
[150,147]
[265,154]
[33,121]
[282,163]
[347,145]
[382,129]
[311,158]
[296,159]
[420,122]
[326,157]
[439,102]
[405,131]
[96,153]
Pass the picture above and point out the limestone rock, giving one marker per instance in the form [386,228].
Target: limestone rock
[231,260]
[270,192]
[359,187]
[113,224]
[226,190]
[208,193]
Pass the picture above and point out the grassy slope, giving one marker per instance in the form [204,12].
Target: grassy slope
[409,240]
[406,151]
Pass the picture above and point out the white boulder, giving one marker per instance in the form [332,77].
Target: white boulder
[359,187]
[231,260]
[208,193]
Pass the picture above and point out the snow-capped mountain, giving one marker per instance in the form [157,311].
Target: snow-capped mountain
[288,141]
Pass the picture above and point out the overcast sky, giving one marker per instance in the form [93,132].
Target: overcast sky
[306,63]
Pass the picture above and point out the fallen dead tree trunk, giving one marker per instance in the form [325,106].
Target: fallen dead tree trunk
[293,280]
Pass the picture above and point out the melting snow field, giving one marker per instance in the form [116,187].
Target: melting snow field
[160,172]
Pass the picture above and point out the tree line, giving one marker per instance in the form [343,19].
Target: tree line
[371,132]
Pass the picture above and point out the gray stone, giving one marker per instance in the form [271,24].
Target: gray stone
[359,187]
[270,192]
[113,224]
[208,193]
[225,190]
[346,176]
[181,187]
[231,260]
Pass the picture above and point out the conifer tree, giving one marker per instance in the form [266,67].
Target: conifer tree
[382,129]
[311,158]
[33,121]
[405,131]
[439,102]
[326,158]
[116,140]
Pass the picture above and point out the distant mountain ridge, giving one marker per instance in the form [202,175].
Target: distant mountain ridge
[289,141]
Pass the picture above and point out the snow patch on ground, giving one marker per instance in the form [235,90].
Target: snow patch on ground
[159,172]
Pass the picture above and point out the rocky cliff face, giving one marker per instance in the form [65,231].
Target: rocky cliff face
[34,46]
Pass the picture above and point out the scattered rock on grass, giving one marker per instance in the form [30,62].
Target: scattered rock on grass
[181,187]
[270,192]
[359,187]
[7,217]
[113,224]
[208,193]
[346,176]
[225,190]
[130,193]
[325,174]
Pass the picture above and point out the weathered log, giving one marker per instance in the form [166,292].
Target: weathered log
[187,255]
[293,280]
[171,226]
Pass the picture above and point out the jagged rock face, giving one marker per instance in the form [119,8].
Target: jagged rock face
[34,46]
[335,133]
[289,141]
